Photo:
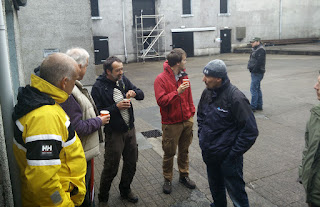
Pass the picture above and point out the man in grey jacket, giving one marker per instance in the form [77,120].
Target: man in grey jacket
[84,117]
[256,66]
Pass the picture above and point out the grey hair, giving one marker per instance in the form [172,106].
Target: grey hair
[80,55]
[57,66]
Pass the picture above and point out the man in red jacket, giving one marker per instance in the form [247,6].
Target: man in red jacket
[173,94]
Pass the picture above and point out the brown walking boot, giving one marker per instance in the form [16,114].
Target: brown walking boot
[187,182]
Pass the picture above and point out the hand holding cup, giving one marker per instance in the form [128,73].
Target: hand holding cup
[104,116]
[185,84]
[124,104]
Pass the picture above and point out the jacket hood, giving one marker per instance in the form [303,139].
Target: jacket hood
[40,93]
[166,66]
[43,86]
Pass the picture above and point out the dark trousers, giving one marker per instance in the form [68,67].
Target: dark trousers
[117,144]
[88,202]
[227,175]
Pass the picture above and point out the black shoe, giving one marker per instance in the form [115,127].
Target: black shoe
[167,187]
[187,182]
[103,199]
[259,108]
[131,197]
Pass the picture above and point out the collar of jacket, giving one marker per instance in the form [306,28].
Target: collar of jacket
[109,83]
[103,78]
[219,90]
[167,68]
[78,84]
[316,110]
[257,47]
[43,86]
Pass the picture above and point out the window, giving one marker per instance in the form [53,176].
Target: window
[223,6]
[94,8]
[145,8]
[186,6]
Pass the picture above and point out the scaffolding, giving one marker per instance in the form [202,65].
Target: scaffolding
[150,42]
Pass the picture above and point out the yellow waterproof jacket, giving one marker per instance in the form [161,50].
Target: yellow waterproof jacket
[48,151]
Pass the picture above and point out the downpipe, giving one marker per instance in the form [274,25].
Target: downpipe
[7,103]
[124,32]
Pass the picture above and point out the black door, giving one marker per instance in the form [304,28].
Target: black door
[225,46]
[147,8]
[101,49]
[183,40]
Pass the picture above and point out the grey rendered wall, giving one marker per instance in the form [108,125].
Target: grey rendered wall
[111,25]
[54,24]
[299,19]
[202,16]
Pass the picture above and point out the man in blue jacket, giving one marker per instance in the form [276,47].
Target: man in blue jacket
[112,91]
[227,129]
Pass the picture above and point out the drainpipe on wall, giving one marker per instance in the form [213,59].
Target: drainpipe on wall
[280,19]
[7,102]
[124,32]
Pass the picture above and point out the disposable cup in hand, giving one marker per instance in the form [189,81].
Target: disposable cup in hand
[186,81]
[104,113]
[126,100]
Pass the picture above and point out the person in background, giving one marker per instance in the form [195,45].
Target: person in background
[257,68]
[84,117]
[47,149]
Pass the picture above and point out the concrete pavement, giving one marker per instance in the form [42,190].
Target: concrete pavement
[270,166]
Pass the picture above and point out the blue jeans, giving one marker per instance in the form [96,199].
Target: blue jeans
[227,175]
[256,94]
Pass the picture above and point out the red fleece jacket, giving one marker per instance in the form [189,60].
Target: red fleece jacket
[174,108]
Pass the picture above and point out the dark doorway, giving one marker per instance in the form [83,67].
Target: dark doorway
[183,40]
[225,46]
[101,49]
[147,8]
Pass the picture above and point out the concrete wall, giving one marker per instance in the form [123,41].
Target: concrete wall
[111,25]
[299,19]
[55,24]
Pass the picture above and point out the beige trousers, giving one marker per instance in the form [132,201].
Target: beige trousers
[176,136]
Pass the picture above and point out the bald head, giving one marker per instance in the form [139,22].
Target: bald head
[57,67]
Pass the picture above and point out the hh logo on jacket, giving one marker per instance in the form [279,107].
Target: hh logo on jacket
[46,149]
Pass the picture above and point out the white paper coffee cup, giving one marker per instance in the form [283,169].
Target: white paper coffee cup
[104,112]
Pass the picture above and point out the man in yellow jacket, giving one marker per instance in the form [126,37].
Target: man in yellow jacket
[47,149]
